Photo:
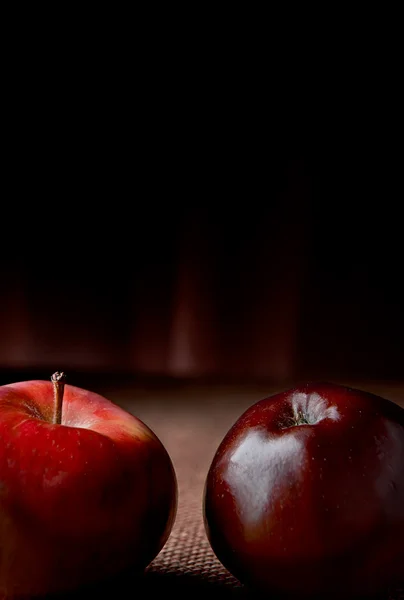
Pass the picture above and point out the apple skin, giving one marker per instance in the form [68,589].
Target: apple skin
[80,501]
[311,509]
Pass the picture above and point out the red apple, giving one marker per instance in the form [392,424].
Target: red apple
[305,494]
[85,491]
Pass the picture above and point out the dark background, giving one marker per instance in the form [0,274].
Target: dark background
[239,261]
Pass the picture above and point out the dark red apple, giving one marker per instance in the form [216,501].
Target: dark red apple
[86,490]
[305,494]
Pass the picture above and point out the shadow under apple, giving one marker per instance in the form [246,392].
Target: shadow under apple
[130,586]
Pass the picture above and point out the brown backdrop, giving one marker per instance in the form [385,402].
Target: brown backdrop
[292,273]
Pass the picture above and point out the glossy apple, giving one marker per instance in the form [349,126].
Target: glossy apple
[82,499]
[305,494]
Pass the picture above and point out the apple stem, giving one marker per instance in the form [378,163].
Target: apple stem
[302,419]
[58,379]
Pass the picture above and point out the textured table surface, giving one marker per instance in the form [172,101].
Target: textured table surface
[191,421]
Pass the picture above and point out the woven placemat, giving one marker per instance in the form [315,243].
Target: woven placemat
[187,559]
